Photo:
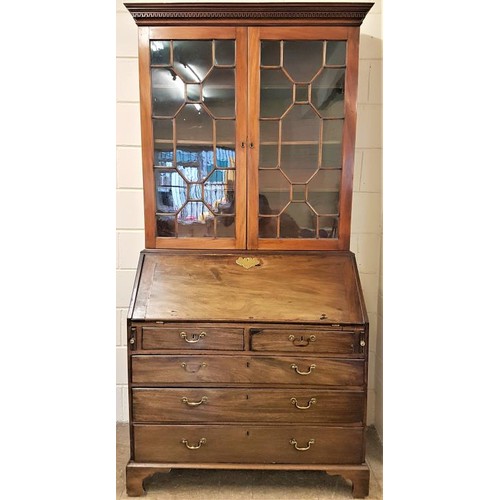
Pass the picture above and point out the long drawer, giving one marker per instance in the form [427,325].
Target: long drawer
[248,444]
[189,337]
[247,405]
[308,340]
[193,369]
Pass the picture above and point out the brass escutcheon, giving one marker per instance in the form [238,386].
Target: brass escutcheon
[247,262]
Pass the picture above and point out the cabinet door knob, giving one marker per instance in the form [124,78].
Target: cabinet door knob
[293,442]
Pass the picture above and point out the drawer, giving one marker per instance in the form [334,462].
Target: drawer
[192,337]
[349,343]
[248,405]
[248,444]
[217,369]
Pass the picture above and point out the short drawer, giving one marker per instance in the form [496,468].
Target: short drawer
[247,444]
[247,405]
[349,343]
[195,369]
[192,337]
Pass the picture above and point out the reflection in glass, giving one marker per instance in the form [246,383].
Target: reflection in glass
[275,189]
[304,219]
[163,142]
[327,94]
[224,52]
[219,92]
[328,227]
[170,191]
[302,59]
[335,52]
[225,134]
[192,59]
[195,196]
[160,52]
[194,125]
[167,92]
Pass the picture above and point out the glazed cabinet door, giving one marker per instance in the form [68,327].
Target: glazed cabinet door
[193,124]
[303,87]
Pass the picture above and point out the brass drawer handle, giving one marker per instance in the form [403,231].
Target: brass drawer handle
[196,337]
[298,448]
[193,369]
[296,368]
[204,399]
[312,401]
[301,342]
[195,446]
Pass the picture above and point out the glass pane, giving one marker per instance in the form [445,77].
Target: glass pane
[299,146]
[332,143]
[224,52]
[160,52]
[163,143]
[165,226]
[275,93]
[170,191]
[270,53]
[328,93]
[298,221]
[193,92]
[195,197]
[274,193]
[328,227]
[219,92]
[269,146]
[225,138]
[167,92]
[192,59]
[194,125]
[302,59]
[224,226]
[219,192]
[301,93]
[335,52]
[323,191]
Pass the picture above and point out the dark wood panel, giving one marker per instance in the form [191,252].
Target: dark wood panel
[265,444]
[297,287]
[192,337]
[195,369]
[247,405]
[305,340]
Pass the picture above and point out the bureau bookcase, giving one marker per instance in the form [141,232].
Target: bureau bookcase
[247,329]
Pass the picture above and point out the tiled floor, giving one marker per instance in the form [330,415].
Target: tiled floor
[259,485]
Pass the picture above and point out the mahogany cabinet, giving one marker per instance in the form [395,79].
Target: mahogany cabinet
[247,330]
